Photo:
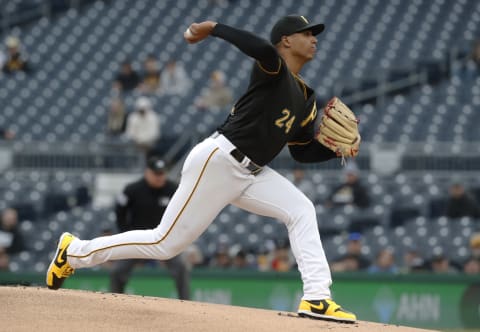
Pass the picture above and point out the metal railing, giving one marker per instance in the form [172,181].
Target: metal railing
[385,88]
[75,156]
[376,157]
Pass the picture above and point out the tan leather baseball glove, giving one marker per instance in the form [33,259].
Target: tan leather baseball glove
[338,129]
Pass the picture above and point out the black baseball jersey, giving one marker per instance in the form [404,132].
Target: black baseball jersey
[278,107]
[141,206]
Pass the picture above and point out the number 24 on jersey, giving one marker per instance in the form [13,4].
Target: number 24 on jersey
[285,121]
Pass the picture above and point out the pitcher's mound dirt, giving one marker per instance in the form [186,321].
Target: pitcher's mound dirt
[41,309]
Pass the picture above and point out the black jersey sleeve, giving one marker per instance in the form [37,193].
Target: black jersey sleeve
[258,48]
[311,152]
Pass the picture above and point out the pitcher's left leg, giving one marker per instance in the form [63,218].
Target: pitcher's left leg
[274,196]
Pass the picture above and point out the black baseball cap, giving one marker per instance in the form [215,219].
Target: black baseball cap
[288,25]
[156,164]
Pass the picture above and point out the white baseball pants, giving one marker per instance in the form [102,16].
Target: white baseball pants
[211,179]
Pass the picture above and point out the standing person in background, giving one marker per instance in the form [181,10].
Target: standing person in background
[151,76]
[143,125]
[475,246]
[461,203]
[472,63]
[174,79]
[282,261]
[9,230]
[353,259]
[116,119]
[221,258]
[127,79]
[351,191]
[441,264]
[384,262]
[303,183]
[6,134]
[194,256]
[140,206]
[217,96]
[230,167]
[413,261]
[471,266]
[15,60]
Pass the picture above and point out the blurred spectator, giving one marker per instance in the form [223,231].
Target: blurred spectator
[10,237]
[241,261]
[263,261]
[15,59]
[193,256]
[305,185]
[473,60]
[384,262]
[441,264]
[116,120]
[174,79]
[6,134]
[472,266]
[353,259]
[475,246]
[460,203]
[282,260]
[413,261]
[127,79]
[351,191]
[221,259]
[4,260]
[217,96]
[143,125]
[151,76]
[3,58]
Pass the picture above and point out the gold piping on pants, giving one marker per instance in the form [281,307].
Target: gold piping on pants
[171,227]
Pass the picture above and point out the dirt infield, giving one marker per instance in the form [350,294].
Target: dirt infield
[40,309]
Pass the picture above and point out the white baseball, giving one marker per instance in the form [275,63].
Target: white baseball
[188,33]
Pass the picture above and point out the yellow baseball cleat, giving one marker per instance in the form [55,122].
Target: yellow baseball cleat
[325,309]
[59,269]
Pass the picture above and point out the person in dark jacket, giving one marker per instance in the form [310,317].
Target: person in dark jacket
[460,203]
[351,191]
[10,233]
[141,206]
[353,259]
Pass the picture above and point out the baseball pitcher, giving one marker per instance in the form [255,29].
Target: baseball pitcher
[229,167]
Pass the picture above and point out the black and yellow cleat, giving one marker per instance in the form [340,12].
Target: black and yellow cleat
[59,269]
[326,310]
